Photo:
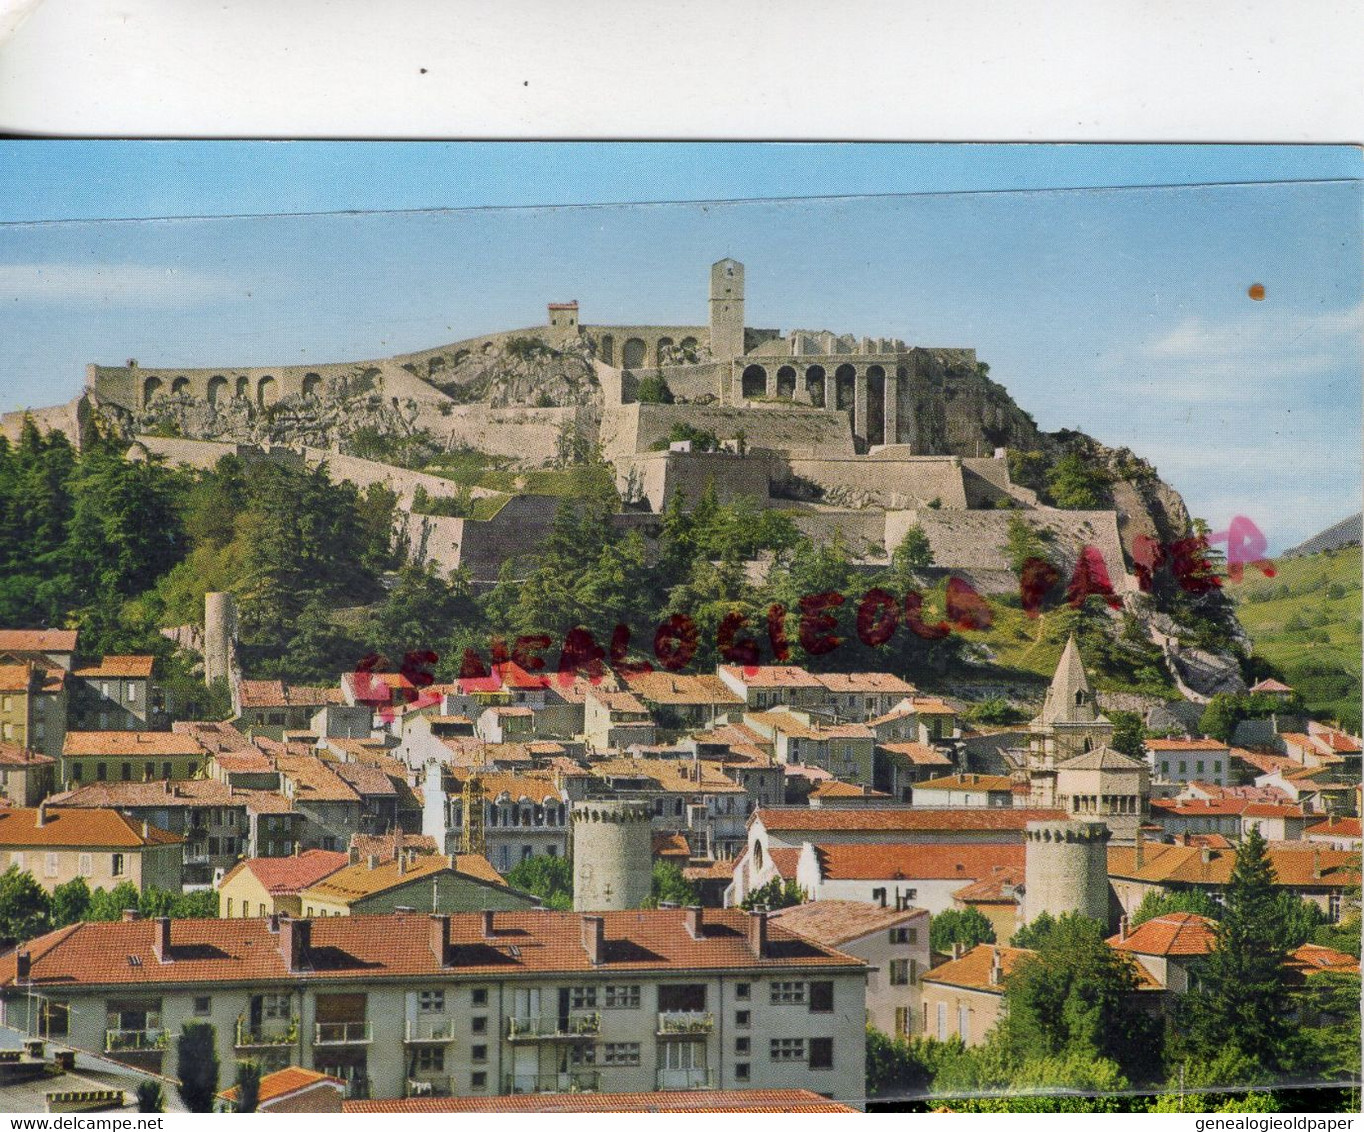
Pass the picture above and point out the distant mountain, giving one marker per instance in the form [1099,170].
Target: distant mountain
[1345,533]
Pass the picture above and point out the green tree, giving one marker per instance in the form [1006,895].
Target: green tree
[1074,998]
[110,904]
[248,1085]
[1078,484]
[653,390]
[1023,544]
[1075,1082]
[1128,733]
[550,878]
[896,1066]
[70,902]
[1241,1002]
[670,886]
[1195,1086]
[197,1066]
[1156,903]
[25,909]
[776,893]
[1220,717]
[913,553]
[967,927]
[150,1097]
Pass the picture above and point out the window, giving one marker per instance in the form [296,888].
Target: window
[132,693]
[478,1080]
[17,860]
[741,1018]
[942,1021]
[1333,904]
[1217,766]
[878,896]
[101,772]
[741,1046]
[104,688]
[479,996]
[527,852]
[431,1001]
[1165,766]
[229,907]
[788,992]
[77,772]
[821,998]
[1183,767]
[478,1053]
[904,935]
[478,1024]
[899,972]
[50,864]
[902,1021]
[126,771]
[203,1004]
[742,991]
[1200,766]
[165,770]
[622,998]
[39,730]
[963,1023]
[788,1049]
[582,998]
[116,865]
[621,1053]
[741,1071]
[430,1059]
[821,1053]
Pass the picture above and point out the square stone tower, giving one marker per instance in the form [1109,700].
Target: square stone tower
[727,309]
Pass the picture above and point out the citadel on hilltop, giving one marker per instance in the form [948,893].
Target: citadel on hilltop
[865,437]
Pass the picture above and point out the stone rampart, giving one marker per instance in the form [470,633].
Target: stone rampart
[912,481]
[658,476]
[402,481]
[480,546]
[630,429]
[69,419]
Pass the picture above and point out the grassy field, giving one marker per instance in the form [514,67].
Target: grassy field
[477,469]
[1306,622]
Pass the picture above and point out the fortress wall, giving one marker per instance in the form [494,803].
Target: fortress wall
[658,476]
[403,481]
[435,540]
[610,342]
[619,432]
[205,454]
[689,383]
[914,480]
[437,359]
[53,418]
[528,435]
[863,531]
[976,540]
[794,429]
[519,528]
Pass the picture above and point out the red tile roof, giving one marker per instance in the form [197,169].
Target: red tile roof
[785,861]
[677,688]
[996,888]
[1000,783]
[119,667]
[163,795]
[972,970]
[921,754]
[864,683]
[16,678]
[38,640]
[1177,933]
[365,948]
[890,860]
[130,743]
[282,1082]
[836,922]
[1184,745]
[288,876]
[1335,827]
[737,1100]
[95,829]
[771,676]
[1269,684]
[1307,867]
[278,694]
[13,756]
[888,818]
[1312,959]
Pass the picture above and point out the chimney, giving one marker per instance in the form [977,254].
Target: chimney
[1316,863]
[594,939]
[401,858]
[1141,854]
[488,930]
[295,940]
[695,921]
[40,815]
[131,914]
[757,931]
[996,968]
[1206,854]
[958,949]
[272,923]
[161,944]
[23,965]
[1122,928]
[440,938]
[355,854]
[146,831]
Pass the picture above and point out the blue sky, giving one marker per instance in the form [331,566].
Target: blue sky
[1122,311]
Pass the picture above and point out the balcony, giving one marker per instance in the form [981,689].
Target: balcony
[122,1041]
[438,1086]
[342,1034]
[577,1081]
[686,1079]
[579,1025]
[281,1032]
[430,1030]
[685,1022]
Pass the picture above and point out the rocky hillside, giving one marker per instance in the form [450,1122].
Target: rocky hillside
[522,370]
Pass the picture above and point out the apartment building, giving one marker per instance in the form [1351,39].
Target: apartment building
[103,847]
[473,1004]
[129,756]
[26,776]
[47,648]
[33,706]
[264,886]
[113,695]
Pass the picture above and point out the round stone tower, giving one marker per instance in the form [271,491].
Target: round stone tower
[220,636]
[1066,869]
[612,855]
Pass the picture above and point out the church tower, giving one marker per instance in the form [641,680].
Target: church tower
[727,310]
[1069,724]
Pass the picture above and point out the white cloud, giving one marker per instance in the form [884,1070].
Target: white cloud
[119,284]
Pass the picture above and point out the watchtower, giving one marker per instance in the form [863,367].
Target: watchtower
[612,855]
[1066,869]
[727,309]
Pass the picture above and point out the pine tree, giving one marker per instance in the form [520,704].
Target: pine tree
[1241,1001]
[197,1066]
